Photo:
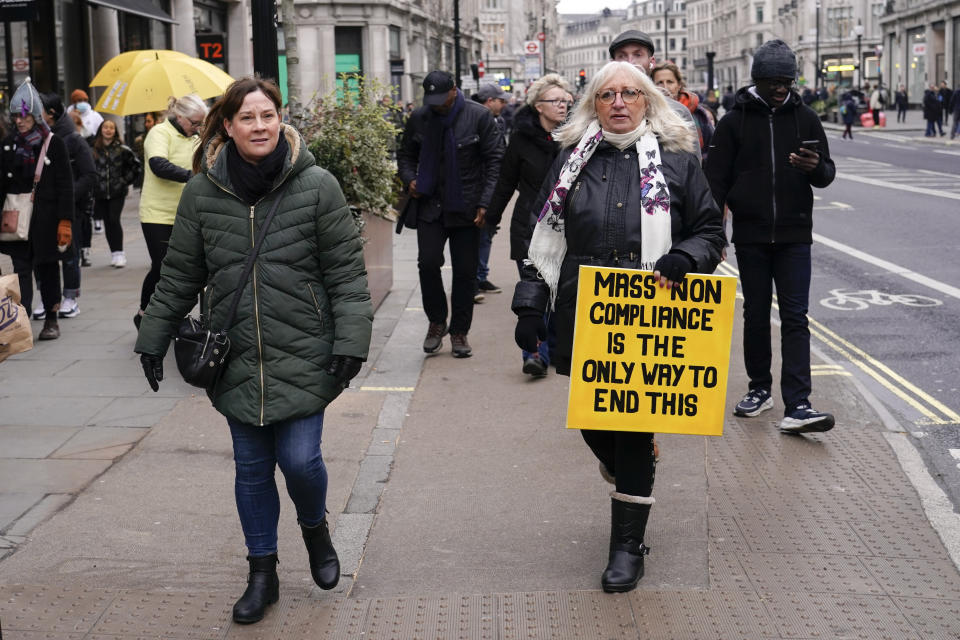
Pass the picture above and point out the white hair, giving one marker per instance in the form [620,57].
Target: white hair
[672,132]
[544,84]
[186,106]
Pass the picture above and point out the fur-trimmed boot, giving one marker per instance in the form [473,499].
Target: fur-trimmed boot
[263,589]
[324,564]
[628,521]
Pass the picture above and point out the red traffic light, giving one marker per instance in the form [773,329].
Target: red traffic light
[583,73]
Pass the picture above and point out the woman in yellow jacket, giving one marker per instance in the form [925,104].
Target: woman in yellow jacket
[168,155]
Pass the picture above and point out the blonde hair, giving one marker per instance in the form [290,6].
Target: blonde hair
[544,84]
[673,133]
[189,105]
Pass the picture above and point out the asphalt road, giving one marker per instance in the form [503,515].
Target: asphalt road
[885,294]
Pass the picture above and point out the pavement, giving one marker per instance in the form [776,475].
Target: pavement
[460,505]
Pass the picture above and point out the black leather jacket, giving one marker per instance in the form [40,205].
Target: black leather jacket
[603,228]
[479,150]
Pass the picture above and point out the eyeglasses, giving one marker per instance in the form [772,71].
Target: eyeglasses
[558,102]
[197,124]
[778,83]
[629,96]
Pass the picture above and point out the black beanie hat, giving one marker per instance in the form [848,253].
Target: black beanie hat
[773,59]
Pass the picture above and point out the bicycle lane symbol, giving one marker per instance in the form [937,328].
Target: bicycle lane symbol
[844,300]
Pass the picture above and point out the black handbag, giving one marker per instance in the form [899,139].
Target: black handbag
[201,352]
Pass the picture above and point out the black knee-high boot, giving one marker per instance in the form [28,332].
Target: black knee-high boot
[263,589]
[324,564]
[628,522]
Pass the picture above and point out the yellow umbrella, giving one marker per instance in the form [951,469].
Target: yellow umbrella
[122,63]
[147,87]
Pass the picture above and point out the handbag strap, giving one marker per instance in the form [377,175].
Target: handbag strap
[39,170]
[248,267]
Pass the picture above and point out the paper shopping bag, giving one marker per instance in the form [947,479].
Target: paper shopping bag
[16,335]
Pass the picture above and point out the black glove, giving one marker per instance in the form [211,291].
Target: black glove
[344,369]
[673,266]
[153,369]
[530,328]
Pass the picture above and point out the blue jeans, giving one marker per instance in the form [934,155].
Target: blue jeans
[484,243]
[295,446]
[931,125]
[787,266]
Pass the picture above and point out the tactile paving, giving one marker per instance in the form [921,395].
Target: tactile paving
[851,617]
[52,609]
[726,572]
[808,573]
[725,534]
[197,615]
[691,615]
[899,539]
[933,619]
[555,616]
[414,618]
[818,505]
[917,577]
[787,535]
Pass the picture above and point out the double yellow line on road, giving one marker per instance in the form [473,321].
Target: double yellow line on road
[933,411]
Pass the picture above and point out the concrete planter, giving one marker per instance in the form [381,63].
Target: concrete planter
[378,255]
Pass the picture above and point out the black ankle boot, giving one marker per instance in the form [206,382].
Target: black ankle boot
[263,589]
[324,564]
[628,521]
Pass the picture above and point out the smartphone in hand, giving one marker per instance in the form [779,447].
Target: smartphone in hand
[811,145]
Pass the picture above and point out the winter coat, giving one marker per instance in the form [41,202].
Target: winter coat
[702,117]
[955,104]
[305,301]
[602,233]
[165,147]
[848,110]
[117,169]
[52,202]
[479,150]
[527,160]
[749,169]
[932,108]
[81,160]
[900,99]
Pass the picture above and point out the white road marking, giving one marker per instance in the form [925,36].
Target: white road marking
[936,285]
[949,153]
[900,186]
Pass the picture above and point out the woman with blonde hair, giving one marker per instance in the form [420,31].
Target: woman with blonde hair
[168,156]
[525,163]
[626,192]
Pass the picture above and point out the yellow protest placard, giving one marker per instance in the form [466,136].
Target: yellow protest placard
[647,358]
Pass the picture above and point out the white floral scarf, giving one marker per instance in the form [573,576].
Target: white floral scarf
[548,246]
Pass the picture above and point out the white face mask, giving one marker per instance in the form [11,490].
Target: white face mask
[83,107]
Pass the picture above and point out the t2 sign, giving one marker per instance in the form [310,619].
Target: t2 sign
[211,48]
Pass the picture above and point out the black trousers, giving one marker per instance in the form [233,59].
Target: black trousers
[628,456]
[157,237]
[464,241]
[109,211]
[48,280]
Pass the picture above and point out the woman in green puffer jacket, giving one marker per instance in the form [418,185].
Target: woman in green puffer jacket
[303,324]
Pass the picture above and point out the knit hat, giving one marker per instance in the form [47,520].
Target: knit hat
[773,59]
[27,100]
[79,95]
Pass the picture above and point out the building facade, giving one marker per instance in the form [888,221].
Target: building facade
[921,45]
[61,44]
[584,41]
[666,22]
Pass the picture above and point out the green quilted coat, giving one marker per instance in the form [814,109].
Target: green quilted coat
[306,300]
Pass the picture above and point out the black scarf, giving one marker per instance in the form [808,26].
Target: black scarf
[28,149]
[253,181]
[440,142]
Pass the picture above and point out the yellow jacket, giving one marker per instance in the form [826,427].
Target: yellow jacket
[160,197]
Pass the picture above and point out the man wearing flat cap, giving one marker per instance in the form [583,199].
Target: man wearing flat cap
[636,47]
[449,161]
[765,155]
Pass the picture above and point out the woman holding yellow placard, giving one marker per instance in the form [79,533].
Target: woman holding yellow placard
[627,191]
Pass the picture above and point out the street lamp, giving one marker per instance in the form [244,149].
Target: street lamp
[817,54]
[858,32]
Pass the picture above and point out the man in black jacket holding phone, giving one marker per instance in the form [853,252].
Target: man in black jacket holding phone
[765,156]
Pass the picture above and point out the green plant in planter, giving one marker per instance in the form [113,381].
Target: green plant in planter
[350,133]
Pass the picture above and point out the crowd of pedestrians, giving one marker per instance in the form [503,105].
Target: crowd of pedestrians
[638,171]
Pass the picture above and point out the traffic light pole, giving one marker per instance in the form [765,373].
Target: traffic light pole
[456,41]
